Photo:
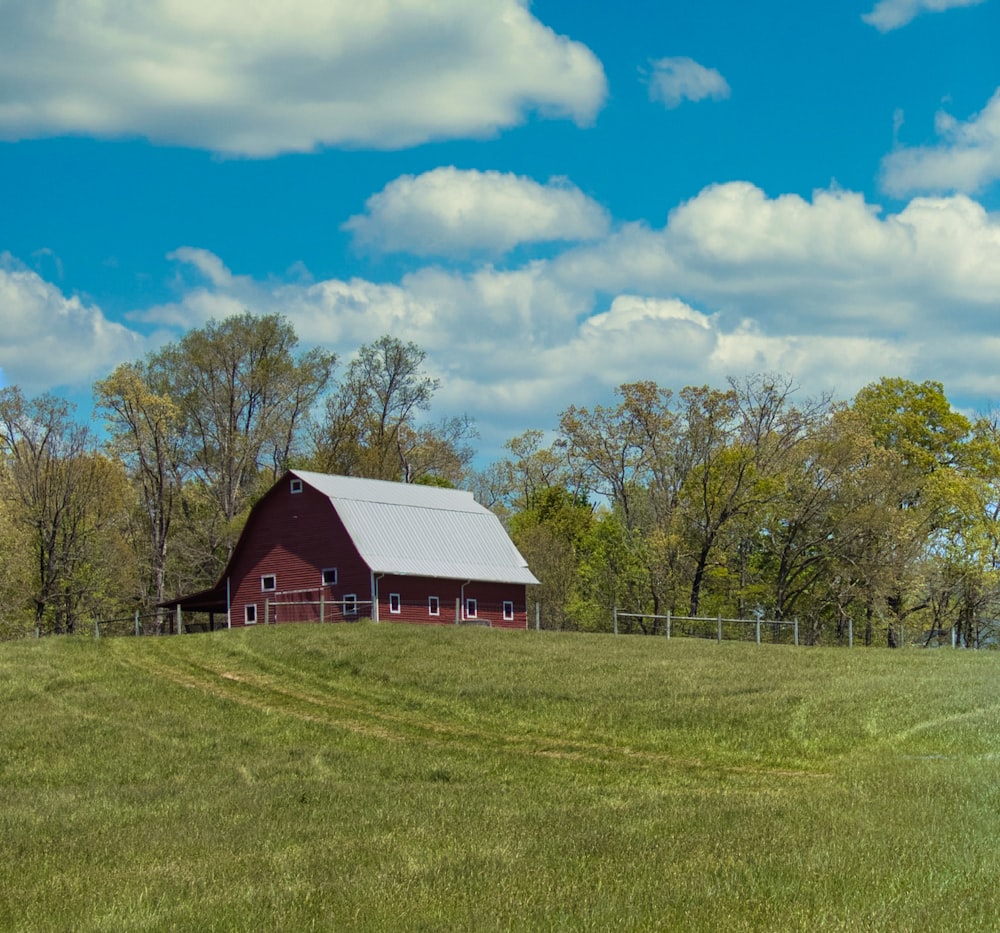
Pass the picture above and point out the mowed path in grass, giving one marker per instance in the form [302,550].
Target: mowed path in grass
[391,777]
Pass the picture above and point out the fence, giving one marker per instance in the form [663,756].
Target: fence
[313,605]
[772,631]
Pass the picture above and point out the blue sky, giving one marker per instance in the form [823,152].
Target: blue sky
[550,198]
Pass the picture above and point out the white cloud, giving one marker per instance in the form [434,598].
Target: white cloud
[967,159]
[268,78]
[830,289]
[674,80]
[449,211]
[49,340]
[891,14]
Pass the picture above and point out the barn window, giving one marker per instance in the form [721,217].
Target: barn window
[330,576]
[394,603]
[268,583]
[508,610]
[470,609]
[250,613]
[433,606]
[350,604]
[295,486]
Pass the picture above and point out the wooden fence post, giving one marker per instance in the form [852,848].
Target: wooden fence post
[137,623]
[615,619]
[720,627]
[180,624]
[668,623]
[796,631]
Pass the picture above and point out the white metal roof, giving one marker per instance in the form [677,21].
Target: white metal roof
[426,531]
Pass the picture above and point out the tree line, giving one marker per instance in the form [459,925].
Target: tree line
[880,513]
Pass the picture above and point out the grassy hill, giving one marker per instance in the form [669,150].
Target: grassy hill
[394,777]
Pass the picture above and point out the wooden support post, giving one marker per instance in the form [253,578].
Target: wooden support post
[458,609]
[180,623]
[322,607]
[538,617]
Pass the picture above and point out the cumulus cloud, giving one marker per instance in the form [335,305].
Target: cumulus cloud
[449,211]
[830,289]
[891,14]
[674,80]
[49,340]
[967,158]
[269,78]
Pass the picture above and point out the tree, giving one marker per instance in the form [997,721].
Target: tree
[550,534]
[371,422]
[735,445]
[145,429]
[65,497]
[243,398]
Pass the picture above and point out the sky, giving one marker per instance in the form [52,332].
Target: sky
[549,198]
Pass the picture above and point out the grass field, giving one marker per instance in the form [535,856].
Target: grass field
[402,778]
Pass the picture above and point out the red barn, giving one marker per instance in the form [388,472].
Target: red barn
[334,548]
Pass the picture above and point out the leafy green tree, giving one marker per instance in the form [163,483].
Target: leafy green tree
[243,397]
[550,534]
[68,501]
[372,421]
[145,429]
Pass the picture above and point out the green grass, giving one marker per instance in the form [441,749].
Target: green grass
[403,778]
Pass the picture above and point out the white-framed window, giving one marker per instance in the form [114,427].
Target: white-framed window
[350,604]
[295,487]
[433,606]
[250,613]
[268,583]
[395,604]
[329,576]
[471,608]
[508,610]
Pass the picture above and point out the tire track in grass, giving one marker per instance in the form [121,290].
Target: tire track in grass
[360,716]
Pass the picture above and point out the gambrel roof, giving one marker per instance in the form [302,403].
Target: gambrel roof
[425,531]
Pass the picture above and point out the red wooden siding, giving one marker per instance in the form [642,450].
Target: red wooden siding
[295,536]
[414,593]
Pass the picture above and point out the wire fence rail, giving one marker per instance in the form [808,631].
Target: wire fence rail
[774,631]
[719,628]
